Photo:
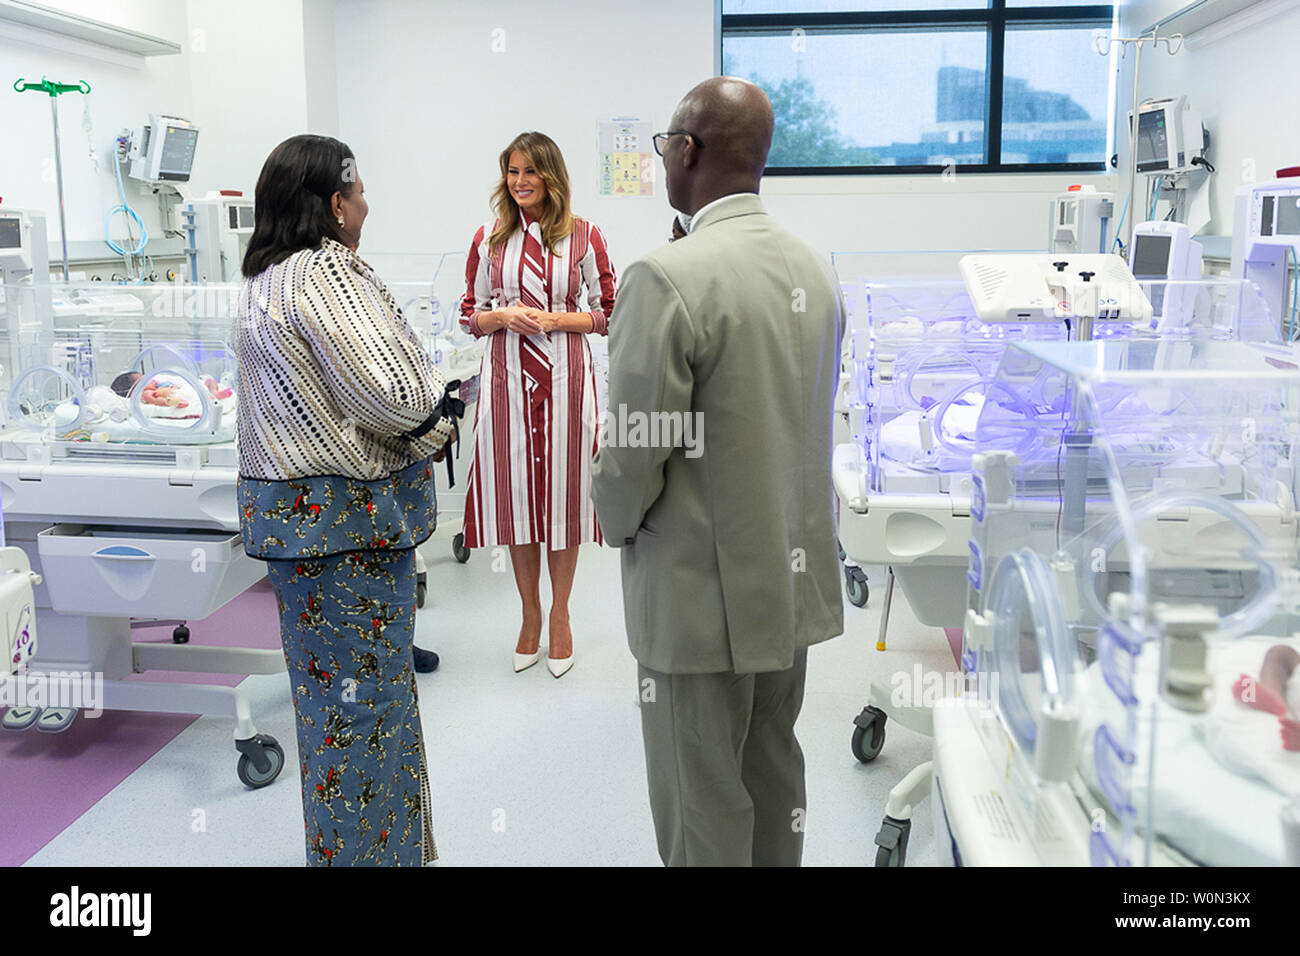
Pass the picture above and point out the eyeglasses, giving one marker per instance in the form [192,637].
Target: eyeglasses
[660,140]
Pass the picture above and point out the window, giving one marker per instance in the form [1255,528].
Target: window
[924,85]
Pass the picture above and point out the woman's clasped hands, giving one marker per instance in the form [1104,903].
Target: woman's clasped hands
[526,320]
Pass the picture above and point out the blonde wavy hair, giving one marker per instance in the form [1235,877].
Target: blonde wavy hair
[545,157]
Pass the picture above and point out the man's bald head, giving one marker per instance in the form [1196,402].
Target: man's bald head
[731,123]
[733,117]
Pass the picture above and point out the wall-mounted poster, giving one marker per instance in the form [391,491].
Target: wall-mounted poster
[626,158]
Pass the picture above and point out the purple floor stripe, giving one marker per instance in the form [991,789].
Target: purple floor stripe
[48,780]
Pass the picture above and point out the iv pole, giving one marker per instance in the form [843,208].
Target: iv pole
[1173,43]
[54,90]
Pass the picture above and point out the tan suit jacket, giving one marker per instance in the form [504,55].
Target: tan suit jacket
[729,555]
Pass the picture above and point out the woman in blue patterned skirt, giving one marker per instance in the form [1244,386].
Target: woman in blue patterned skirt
[341,415]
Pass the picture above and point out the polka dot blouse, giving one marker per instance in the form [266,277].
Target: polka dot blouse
[332,379]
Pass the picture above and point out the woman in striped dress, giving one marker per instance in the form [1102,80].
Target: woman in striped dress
[530,271]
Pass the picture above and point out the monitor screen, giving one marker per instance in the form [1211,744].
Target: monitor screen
[11,232]
[1288,215]
[1151,256]
[1152,141]
[177,152]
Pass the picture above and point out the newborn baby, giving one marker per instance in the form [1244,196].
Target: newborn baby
[1276,691]
[164,393]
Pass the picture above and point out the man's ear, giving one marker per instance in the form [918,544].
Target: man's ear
[690,154]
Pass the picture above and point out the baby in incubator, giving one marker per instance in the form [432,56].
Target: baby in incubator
[164,393]
[1276,691]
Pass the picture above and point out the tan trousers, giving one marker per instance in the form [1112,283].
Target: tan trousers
[726,773]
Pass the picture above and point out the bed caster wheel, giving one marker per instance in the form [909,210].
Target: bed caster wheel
[855,580]
[458,548]
[261,759]
[868,734]
[891,842]
[181,634]
[421,588]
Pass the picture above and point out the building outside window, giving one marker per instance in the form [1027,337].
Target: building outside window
[919,85]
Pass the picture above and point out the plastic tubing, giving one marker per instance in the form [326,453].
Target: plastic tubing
[930,360]
[990,384]
[1244,619]
[130,213]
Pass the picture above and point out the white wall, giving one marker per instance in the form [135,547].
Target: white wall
[248,75]
[1246,86]
[122,92]
[427,106]
[319,48]
[245,88]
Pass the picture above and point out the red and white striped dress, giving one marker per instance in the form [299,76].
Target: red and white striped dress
[536,430]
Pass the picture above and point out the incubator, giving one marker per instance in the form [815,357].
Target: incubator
[920,367]
[118,470]
[432,306]
[1132,560]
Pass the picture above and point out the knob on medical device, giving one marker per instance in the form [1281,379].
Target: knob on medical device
[1184,675]
[977,634]
[1057,745]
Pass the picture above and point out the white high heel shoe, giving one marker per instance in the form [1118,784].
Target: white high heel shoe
[559,666]
[525,661]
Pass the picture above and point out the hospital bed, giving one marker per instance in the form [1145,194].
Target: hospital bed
[117,471]
[1133,553]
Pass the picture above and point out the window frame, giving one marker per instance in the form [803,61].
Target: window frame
[996,19]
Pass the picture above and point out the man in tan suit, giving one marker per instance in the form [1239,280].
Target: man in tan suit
[714,478]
